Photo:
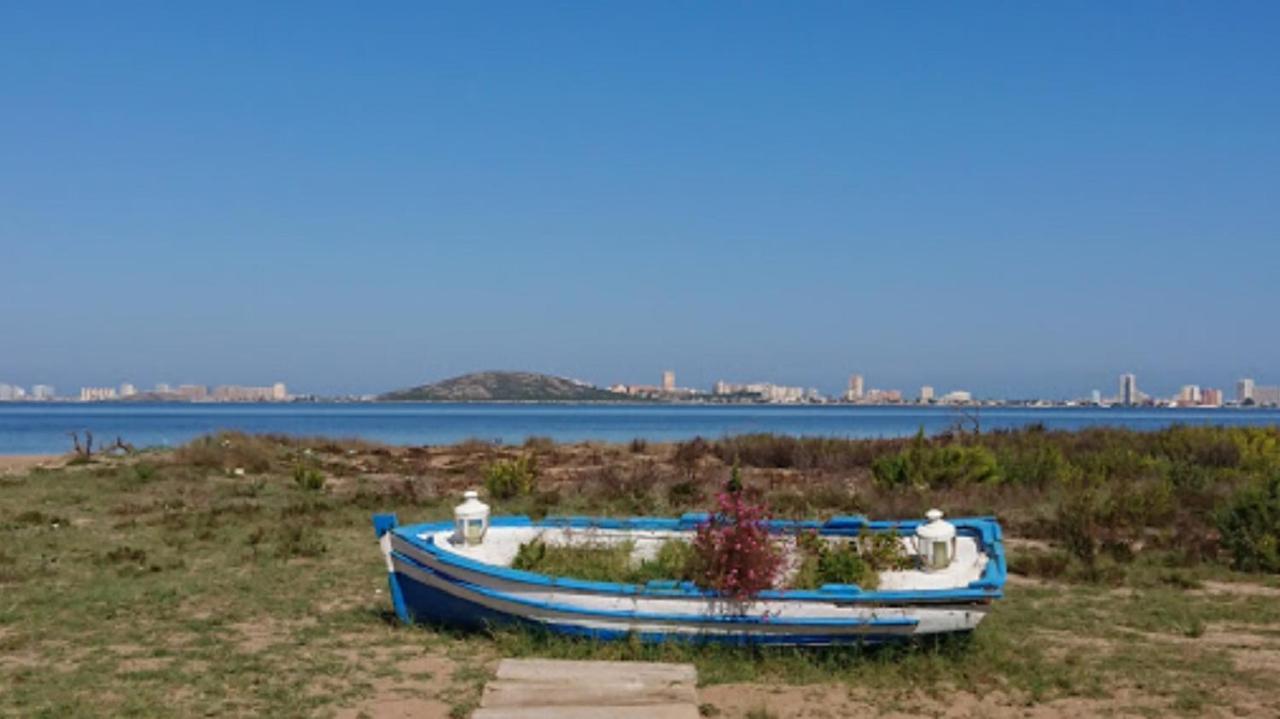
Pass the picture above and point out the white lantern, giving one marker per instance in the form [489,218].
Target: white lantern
[470,519]
[936,542]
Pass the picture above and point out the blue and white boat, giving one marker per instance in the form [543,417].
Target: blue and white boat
[459,574]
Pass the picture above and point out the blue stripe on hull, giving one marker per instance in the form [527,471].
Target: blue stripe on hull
[427,605]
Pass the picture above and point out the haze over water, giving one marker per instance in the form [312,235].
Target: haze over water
[43,428]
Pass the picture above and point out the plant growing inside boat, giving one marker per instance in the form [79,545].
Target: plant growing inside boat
[733,553]
[508,478]
[853,562]
[599,562]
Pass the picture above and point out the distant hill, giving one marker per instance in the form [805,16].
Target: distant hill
[503,387]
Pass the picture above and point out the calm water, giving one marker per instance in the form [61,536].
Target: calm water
[43,428]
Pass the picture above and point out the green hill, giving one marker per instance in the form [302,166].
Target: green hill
[503,387]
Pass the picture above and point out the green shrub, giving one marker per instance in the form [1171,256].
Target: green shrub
[308,477]
[1250,526]
[508,478]
[855,562]
[229,450]
[684,494]
[675,560]
[297,539]
[927,466]
[606,562]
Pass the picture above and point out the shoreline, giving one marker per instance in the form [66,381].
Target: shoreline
[16,463]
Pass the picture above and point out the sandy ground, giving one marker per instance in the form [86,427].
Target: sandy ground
[18,463]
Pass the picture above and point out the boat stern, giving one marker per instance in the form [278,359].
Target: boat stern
[382,526]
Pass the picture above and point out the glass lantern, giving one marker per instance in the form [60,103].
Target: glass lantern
[935,542]
[470,520]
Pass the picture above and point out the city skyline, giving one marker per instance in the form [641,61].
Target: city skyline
[1129,393]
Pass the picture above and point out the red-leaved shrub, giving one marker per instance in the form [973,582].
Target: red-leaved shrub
[732,551]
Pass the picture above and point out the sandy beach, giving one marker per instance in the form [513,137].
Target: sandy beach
[18,463]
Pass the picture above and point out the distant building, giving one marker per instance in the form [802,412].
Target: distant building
[238,393]
[926,394]
[669,381]
[957,397]
[883,396]
[43,393]
[1096,397]
[855,391]
[1266,396]
[767,392]
[97,394]
[128,390]
[1211,397]
[279,392]
[1244,390]
[11,393]
[162,388]
[1189,394]
[192,392]
[1128,389]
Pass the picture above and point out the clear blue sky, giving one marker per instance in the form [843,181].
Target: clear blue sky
[1015,198]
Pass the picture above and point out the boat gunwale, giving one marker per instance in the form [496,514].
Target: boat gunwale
[985,530]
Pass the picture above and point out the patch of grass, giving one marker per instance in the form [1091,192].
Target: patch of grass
[267,600]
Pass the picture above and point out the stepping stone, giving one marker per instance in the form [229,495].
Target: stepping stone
[546,688]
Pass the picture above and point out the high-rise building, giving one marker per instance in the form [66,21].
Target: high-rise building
[669,380]
[1266,396]
[162,388]
[926,394]
[11,393]
[1096,396]
[42,392]
[128,390]
[855,391]
[1190,394]
[1211,397]
[1244,390]
[278,392]
[1128,389]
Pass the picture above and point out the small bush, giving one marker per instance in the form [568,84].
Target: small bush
[126,555]
[308,477]
[228,450]
[1046,565]
[684,494]
[733,553]
[539,444]
[639,445]
[509,478]
[1250,526]
[926,466]
[675,560]
[298,540]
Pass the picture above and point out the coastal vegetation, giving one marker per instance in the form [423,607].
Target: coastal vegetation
[210,580]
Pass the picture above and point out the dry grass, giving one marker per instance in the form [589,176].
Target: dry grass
[169,584]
